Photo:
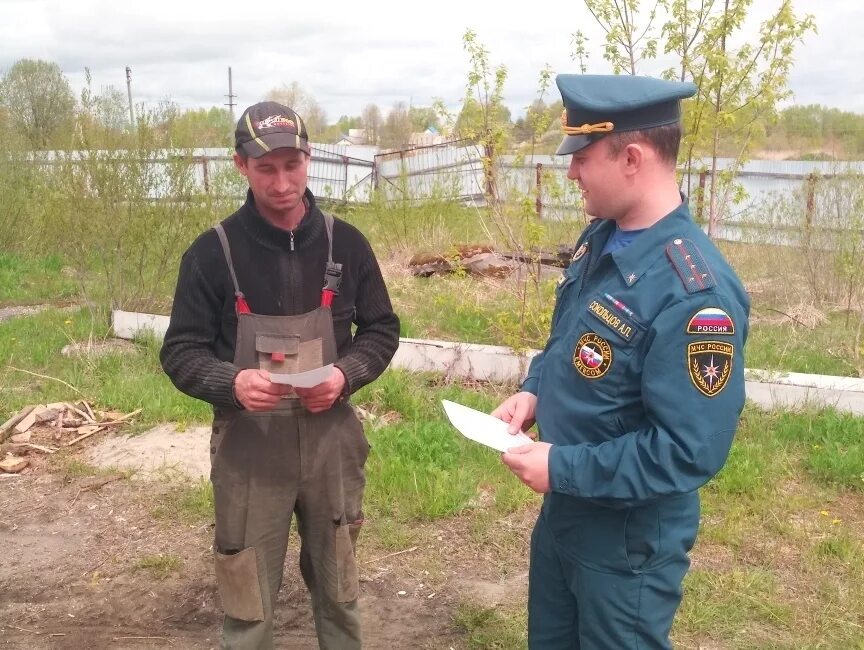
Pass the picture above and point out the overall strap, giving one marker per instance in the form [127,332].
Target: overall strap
[240,303]
[333,274]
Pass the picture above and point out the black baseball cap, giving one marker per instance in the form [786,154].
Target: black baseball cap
[266,126]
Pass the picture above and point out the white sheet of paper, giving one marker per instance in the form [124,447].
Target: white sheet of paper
[482,427]
[305,379]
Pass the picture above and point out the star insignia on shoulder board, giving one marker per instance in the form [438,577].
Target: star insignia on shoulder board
[631,278]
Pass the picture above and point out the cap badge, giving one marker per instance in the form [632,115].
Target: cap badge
[585,129]
[275,121]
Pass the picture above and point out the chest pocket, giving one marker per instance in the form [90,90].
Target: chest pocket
[606,347]
[286,353]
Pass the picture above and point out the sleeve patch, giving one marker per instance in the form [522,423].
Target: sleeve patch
[711,320]
[690,265]
[710,365]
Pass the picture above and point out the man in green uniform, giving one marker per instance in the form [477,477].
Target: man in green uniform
[275,289]
[638,391]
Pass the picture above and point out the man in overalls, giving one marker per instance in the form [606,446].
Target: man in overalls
[638,390]
[276,287]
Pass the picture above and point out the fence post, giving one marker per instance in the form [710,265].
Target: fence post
[539,184]
[206,169]
[812,178]
[345,184]
[700,199]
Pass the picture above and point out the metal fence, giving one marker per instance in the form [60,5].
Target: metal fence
[780,197]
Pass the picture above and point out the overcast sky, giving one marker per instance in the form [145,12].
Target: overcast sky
[350,54]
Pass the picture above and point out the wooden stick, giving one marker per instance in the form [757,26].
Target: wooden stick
[47,450]
[84,435]
[384,557]
[36,374]
[106,423]
[163,638]
[78,411]
[24,629]
[15,419]
[88,409]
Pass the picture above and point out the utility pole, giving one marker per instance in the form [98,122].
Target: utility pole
[230,95]
[129,92]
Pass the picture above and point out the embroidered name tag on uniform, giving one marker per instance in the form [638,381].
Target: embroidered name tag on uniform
[710,365]
[612,318]
[711,320]
[592,356]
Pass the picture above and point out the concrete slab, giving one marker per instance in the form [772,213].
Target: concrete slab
[768,389]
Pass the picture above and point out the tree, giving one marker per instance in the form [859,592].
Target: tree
[423,117]
[484,117]
[371,120]
[396,130]
[102,120]
[626,43]
[294,96]
[201,128]
[737,89]
[38,100]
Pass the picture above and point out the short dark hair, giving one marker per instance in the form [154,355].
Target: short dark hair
[664,139]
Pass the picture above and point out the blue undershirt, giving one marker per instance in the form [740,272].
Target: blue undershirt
[621,239]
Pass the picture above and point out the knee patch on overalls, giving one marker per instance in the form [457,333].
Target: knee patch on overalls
[347,579]
[239,585]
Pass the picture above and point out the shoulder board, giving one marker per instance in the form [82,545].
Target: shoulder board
[690,265]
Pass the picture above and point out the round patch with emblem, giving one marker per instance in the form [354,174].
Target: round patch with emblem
[580,253]
[592,356]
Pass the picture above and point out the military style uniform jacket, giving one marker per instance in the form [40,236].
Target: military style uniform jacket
[641,383]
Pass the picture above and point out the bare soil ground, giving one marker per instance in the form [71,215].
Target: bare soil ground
[71,575]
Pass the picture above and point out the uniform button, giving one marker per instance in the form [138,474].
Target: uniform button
[212,450]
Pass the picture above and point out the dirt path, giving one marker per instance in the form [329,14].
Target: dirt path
[71,574]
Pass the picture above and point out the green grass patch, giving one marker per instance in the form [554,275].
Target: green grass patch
[26,280]
[186,503]
[493,628]
[420,467]
[71,468]
[827,349]
[159,566]
[727,604]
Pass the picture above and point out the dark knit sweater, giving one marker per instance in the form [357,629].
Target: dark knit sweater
[199,345]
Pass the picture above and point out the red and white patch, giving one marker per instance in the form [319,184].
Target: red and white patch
[275,121]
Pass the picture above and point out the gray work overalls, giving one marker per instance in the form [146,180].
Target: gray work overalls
[267,466]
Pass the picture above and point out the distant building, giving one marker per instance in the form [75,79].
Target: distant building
[427,138]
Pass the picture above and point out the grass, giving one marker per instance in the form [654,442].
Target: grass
[159,566]
[492,628]
[186,503]
[780,558]
[28,280]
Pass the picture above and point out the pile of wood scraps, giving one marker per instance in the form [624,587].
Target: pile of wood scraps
[46,428]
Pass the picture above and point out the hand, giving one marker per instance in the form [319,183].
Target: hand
[321,397]
[518,410]
[254,390]
[531,464]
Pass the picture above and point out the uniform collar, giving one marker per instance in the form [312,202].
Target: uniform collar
[634,260]
[265,233]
